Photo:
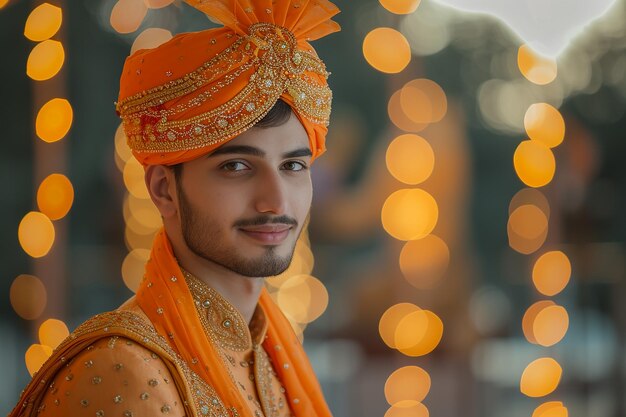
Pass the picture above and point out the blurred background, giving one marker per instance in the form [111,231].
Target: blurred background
[465,255]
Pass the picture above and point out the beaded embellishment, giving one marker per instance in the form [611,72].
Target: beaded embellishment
[272,63]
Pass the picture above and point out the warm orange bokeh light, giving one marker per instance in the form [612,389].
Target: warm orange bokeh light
[35,357]
[407,409]
[136,240]
[399,118]
[158,4]
[3,3]
[528,221]
[302,263]
[122,150]
[54,120]
[52,332]
[400,6]
[389,321]
[133,268]
[134,179]
[551,409]
[410,383]
[45,60]
[550,325]
[145,212]
[530,315]
[540,377]
[530,196]
[150,38]
[43,22]
[534,67]
[127,15]
[419,333]
[387,50]
[423,101]
[302,298]
[423,262]
[551,273]
[545,123]
[55,196]
[28,296]
[410,159]
[410,214]
[36,234]
[534,163]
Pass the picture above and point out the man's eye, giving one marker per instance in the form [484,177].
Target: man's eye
[234,166]
[294,166]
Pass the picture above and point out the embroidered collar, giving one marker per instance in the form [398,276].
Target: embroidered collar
[223,323]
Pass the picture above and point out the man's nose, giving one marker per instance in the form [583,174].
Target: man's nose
[271,194]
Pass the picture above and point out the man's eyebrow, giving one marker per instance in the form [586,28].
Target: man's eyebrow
[237,149]
[298,153]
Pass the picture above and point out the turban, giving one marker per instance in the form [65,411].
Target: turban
[197,91]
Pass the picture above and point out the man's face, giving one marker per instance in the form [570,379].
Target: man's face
[244,205]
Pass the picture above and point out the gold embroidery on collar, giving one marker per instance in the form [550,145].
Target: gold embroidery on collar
[223,323]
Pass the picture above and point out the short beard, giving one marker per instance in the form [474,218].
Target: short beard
[198,235]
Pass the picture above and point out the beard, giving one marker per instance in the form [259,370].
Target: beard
[202,237]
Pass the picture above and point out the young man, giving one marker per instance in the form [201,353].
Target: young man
[227,123]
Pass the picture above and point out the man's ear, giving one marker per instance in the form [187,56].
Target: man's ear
[161,184]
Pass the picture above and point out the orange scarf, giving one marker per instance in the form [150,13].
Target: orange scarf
[167,301]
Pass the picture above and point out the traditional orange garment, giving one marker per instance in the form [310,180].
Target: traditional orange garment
[178,347]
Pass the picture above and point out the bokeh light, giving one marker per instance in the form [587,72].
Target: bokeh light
[527,229]
[52,332]
[423,262]
[534,67]
[127,15]
[389,321]
[551,273]
[541,377]
[45,60]
[134,179]
[409,214]
[302,263]
[407,409]
[122,150]
[530,196]
[158,4]
[399,118]
[550,325]
[545,123]
[387,50]
[410,159]
[400,6]
[55,196]
[145,212]
[135,240]
[534,163]
[36,234]
[133,268]
[43,22]
[36,356]
[528,321]
[423,101]
[418,333]
[409,383]
[550,409]
[54,120]
[150,38]
[3,3]
[303,298]
[28,297]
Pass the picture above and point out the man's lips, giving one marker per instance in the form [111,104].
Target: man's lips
[268,233]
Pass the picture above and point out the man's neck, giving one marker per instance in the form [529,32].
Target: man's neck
[241,291]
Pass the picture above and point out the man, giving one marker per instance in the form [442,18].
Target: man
[227,123]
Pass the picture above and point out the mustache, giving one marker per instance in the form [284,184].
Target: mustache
[263,220]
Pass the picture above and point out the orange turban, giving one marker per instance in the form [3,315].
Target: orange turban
[197,91]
